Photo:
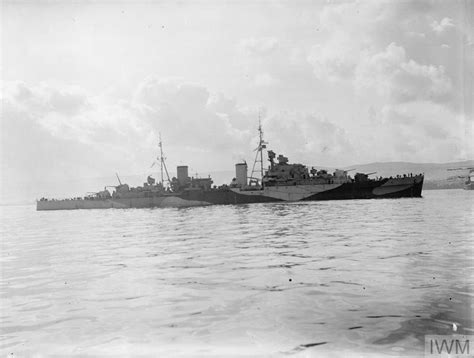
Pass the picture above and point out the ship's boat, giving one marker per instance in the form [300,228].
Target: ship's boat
[281,181]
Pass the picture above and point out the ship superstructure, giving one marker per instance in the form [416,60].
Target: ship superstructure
[281,181]
[468,176]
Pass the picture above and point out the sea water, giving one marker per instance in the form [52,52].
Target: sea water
[335,278]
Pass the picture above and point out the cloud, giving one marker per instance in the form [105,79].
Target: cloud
[354,51]
[240,117]
[55,132]
[442,26]
[69,100]
[335,63]
[188,114]
[308,138]
[392,75]
[427,128]
[259,46]
[346,29]
[51,131]
[418,35]
[388,55]
[46,98]
[265,80]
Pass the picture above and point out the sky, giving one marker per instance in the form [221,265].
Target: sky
[87,86]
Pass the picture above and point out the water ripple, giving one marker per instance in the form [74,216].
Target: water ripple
[369,276]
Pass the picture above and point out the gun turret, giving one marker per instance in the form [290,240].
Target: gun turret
[358,177]
[150,180]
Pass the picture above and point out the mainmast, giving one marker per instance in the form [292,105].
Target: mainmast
[259,155]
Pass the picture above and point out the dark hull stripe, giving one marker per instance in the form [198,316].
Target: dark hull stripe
[349,191]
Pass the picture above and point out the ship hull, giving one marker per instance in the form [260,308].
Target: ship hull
[371,189]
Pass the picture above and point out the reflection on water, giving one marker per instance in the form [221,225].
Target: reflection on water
[321,278]
[438,319]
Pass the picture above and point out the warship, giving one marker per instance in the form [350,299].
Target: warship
[279,182]
[468,177]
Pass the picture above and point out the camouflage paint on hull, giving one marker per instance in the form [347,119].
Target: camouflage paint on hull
[168,201]
[385,188]
[372,189]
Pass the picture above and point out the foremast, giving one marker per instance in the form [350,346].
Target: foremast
[164,170]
